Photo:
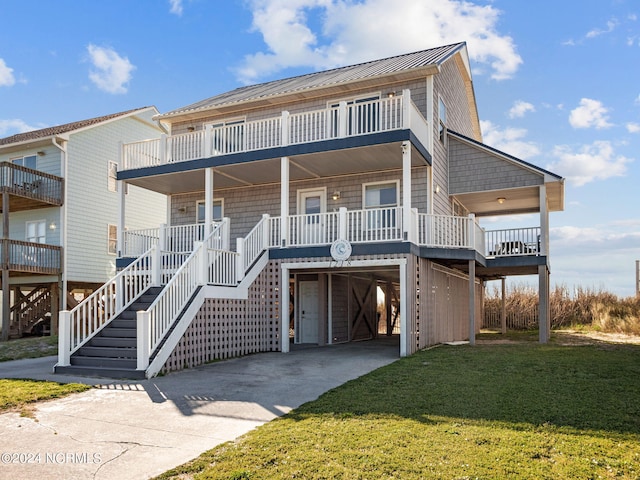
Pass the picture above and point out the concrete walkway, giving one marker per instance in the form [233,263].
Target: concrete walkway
[139,429]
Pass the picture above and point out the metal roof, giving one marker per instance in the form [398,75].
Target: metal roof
[66,128]
[400,63]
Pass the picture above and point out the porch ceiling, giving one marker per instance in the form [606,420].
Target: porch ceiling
[516,200]
[302,167]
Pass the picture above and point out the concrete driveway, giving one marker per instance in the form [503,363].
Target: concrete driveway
[139,429]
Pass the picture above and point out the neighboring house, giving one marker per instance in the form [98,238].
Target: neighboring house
[60,207]
[296,206]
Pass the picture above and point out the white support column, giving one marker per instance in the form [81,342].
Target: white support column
[284,310]
[156,268]
[240,259]
[430,106]
[284,128]
[342,223]
[406,109]
[406,189]
[163,148]
[342,119]
[544,222]
[208,200]
[284,201]
[404,314]
[64,339]
[121,218]
[206,138]
[472,302]
[143,328]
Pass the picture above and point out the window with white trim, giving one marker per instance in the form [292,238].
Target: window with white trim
[29,161]
[217,210]
[36,231]
[112,178]
[442,119]
[363,115]
[379,199]
[112,239]
[228,136]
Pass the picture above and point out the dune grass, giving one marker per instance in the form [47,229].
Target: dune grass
[490,411]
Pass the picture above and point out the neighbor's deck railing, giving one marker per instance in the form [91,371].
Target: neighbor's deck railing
[29,257]
[30,183]
[338,121]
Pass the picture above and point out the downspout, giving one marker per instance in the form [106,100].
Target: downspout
[63,217]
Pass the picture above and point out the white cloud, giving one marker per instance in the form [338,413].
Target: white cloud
[13,126]
[633,127]
[509,140]
[597,161]
[6,75]
[112,72]
[520,108]
[327,33]
[596,32]
[176,7]
[590,113]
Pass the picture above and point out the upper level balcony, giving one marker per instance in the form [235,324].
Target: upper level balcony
[29,188]
[30,258]
[343,120]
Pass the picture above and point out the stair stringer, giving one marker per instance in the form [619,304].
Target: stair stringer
[208,291]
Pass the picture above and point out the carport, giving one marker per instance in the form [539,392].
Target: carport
[337,302]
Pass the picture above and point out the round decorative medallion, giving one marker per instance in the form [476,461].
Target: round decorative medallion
[340,250]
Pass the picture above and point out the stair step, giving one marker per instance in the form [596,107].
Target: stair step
[105,362]
[107,352]
[118,332]
[105,341]
[122,323]
[101,372]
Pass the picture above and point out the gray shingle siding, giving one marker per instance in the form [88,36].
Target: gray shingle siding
[473,170]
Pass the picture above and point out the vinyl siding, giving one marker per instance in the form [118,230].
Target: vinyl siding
[91,207]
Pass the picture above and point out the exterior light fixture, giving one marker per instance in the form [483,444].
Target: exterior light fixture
[191,129]
[335,195]
[501,200]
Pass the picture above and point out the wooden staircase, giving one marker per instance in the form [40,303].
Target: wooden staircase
[112,351]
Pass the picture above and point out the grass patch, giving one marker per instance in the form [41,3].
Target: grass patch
[31,347]
[18,394]
[494,411]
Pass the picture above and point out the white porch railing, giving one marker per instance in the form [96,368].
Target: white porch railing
[338,121]
[446,231]
[179,238]
[513,242]
[103,305]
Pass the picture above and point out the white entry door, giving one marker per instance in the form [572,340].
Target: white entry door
[308,312]
[312,204]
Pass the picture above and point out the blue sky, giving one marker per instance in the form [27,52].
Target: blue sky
[557,83]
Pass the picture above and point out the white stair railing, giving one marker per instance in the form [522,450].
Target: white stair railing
[103,305]
[154,323]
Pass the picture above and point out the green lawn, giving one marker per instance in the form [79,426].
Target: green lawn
[489,411]
[18,394]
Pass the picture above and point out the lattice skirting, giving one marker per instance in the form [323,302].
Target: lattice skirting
[226,328]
